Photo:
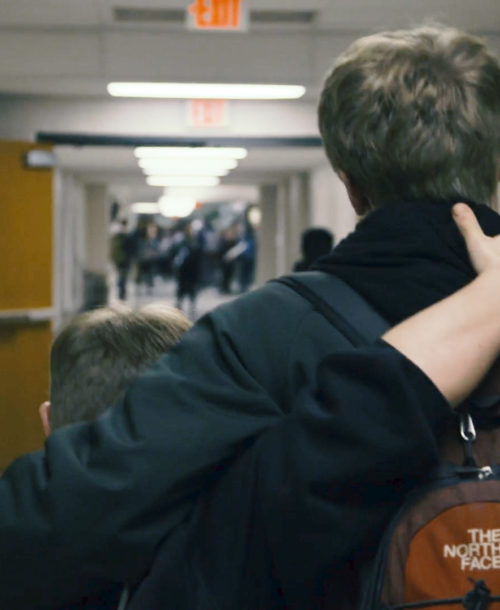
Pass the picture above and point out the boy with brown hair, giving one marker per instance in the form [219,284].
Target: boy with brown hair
[96,357]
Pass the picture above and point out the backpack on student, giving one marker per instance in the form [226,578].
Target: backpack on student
[442,548]
[118,249]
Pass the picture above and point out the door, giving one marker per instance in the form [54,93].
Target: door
[26,245]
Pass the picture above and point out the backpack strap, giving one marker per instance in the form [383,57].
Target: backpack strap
[342,306]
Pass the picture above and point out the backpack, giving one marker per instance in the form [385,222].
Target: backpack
[118,249]
[442,548]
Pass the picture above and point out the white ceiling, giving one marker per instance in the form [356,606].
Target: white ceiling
[118,159]
[118,167]
[76,47]
[361,15]
[339,15]
[67,50]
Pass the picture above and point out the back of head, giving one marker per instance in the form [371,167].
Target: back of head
[316,242]
[99,353]
[415,114]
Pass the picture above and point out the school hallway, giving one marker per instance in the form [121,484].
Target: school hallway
[164,291]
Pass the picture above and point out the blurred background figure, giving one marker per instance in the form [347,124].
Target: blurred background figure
[166,253]
[187,266]
[315,242]
[148,256]
[122,254]
[228,241]
[246,259]
[209,241]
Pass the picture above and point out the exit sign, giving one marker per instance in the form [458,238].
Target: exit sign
[218,15]
[207,113]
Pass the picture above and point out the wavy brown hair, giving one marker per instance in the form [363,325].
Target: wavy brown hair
[415,114]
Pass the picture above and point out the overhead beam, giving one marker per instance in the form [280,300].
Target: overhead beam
[89,139]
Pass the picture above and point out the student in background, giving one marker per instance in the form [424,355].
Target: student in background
[148,256]
[187,266]
[122,255]
[315,242]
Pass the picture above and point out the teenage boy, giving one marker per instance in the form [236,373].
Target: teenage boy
[96,357]
[411,124]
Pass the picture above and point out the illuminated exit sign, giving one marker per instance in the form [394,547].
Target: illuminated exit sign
[218,15]
[207,113]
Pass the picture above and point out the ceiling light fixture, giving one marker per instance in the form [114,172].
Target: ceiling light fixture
[142,207]
[206,91]
[176,207]
[184,171]
[182,180]
[172,166]
[190,152]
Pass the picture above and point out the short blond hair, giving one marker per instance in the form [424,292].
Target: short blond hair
[415,114]
[95,358]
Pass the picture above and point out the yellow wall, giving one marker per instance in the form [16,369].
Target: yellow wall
[26,243]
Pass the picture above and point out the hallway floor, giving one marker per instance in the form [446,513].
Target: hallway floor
[164,291]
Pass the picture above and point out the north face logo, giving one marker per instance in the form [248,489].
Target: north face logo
[480,552]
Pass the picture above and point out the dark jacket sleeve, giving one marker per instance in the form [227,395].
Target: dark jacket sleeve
[335,469]
[311,494]
[95,504]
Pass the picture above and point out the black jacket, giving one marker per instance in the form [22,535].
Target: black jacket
[302,509]
[97,503]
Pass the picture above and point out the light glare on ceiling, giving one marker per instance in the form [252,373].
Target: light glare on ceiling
[225,91]
[190,152]
[176,207]
[143,207]
[182,180]
[172,166]
[184,171]
[255,216]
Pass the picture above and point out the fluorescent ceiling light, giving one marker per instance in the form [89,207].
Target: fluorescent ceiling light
[218,194]
[145,208]
[182,180]
[177,207]
[254,216]
[183,171]
[207,91]
[190,152]
[172,166]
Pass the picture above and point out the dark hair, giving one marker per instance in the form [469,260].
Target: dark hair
[99,353]
[316,242]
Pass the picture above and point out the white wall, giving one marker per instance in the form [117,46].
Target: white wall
[329,205]
[97,228]
[298,215]
[267,235]
[69,258]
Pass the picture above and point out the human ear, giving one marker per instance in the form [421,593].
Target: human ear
[44,411]
[359,200]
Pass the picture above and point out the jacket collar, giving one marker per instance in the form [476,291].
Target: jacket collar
[404,257]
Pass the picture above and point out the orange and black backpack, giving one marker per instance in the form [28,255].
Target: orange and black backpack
[442,549]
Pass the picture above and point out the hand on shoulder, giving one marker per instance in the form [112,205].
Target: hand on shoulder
[484,251]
